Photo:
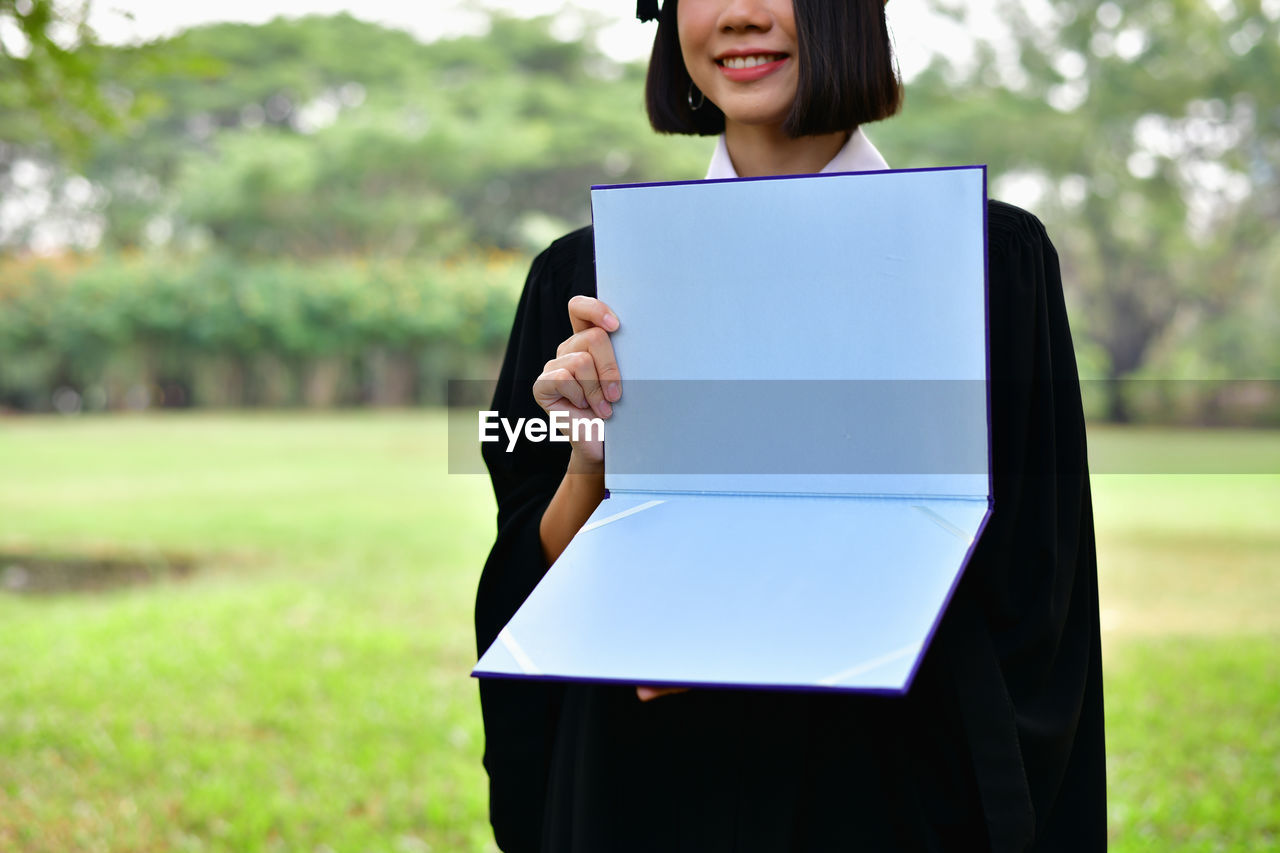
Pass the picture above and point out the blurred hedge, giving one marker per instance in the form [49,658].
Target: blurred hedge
[130,331]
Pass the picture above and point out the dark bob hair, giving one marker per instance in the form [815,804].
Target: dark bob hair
[847,73]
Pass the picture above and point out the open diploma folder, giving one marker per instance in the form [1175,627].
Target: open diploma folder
[799,466]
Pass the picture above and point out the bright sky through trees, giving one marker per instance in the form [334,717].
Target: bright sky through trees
[918,32]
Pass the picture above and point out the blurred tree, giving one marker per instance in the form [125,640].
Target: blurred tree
[62,100]
[331,135]
[1145,135]
[49,87]
[1150,136]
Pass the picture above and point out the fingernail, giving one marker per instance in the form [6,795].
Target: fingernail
[613,391]
[610,321]
[605,410]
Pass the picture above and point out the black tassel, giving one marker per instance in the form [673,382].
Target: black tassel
[647,10]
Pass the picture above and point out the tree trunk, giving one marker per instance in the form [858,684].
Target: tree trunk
[392,378]
[1117,406]
[322,382]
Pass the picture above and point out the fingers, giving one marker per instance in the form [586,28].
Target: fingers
[647,693]
[579,367]
[587,311]
[584,371]
[592,320]
[604,366]
[557,382]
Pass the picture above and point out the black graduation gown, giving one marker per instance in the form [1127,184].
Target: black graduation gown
[998,745]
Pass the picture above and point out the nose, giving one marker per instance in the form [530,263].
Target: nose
[746,15]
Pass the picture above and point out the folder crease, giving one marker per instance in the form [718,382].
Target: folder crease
[617,515]
[525,663]
[870,665]
[942,522]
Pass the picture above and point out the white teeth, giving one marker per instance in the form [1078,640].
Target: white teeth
[749,61]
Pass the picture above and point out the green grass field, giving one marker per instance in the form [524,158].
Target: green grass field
[306,687]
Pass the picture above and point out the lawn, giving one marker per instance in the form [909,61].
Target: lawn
[305,687]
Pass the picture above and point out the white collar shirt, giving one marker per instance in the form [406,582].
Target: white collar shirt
[857,155]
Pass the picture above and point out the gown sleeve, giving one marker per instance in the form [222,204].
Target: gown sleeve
[1023,639]
[520,717]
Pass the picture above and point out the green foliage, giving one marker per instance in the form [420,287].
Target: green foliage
[49,87]
[351,191]
[1148,131]
[1143,133]
[333,136]
[117,322]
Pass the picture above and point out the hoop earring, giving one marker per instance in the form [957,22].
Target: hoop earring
[702,99]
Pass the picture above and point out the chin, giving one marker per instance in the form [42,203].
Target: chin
[755,113]
[756,119]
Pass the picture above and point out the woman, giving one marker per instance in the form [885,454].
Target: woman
[999,744]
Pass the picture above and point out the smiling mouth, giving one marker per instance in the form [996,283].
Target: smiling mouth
[750,61]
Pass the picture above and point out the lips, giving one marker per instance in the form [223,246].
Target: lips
[744,67]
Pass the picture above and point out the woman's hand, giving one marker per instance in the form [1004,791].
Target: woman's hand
[583,379]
